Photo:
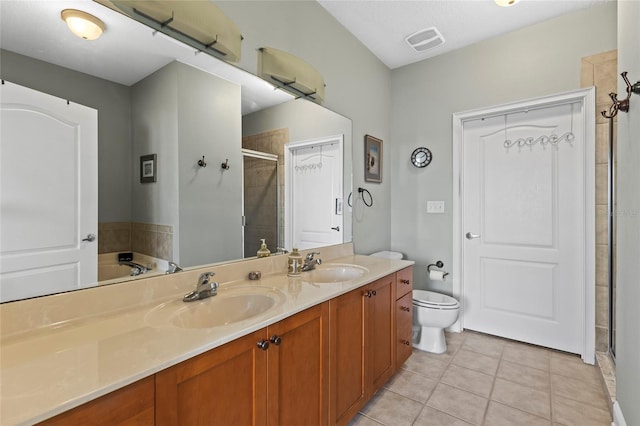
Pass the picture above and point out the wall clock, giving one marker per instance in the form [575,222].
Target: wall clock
[421,157]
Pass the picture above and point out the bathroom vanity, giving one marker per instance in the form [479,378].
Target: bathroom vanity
[315,357]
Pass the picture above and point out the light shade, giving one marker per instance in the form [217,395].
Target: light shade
[82,24]
[506,3]
[200,24]
[290,73]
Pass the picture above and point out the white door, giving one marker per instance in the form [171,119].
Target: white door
[523,226]
[315,193]
[48,190]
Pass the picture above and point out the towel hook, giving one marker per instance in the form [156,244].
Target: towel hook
[621,105]
[202,163]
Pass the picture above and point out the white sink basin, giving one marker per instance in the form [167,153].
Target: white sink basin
[335,273]
[230,306]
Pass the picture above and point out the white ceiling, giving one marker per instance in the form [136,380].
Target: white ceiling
[383,25]
[126,53]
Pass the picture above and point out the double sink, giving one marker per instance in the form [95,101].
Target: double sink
[238,302]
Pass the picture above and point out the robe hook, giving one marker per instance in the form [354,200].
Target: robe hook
[225,165]
[621,105]
[202,163]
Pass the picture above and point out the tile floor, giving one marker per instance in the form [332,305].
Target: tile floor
[487,381]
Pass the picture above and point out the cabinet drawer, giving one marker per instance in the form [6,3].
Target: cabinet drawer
[404,329]
[404,282]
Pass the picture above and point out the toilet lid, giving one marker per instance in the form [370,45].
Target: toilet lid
[431,298]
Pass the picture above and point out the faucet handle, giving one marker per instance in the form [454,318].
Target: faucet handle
[310,255]
[204,277]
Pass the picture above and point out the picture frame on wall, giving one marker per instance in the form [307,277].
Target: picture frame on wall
[148,168]
[372,159]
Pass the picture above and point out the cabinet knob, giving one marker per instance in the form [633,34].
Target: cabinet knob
[373,292]
[263,344]
[407,282]
[405,308]
[367,293]
[405,342]
[275,339]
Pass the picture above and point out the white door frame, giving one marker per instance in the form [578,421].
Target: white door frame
[288,173]
[586,298]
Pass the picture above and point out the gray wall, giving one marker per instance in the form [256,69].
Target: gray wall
[181,113]
[209,124]
[112,100]
[535,61]
[628,219]
[357,87]
[306,120]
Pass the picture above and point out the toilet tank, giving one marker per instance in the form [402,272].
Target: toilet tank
[388,255]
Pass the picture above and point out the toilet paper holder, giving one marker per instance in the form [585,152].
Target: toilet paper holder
[438,264]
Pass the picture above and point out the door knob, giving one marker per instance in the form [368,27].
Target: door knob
[336,228]
[471,236]
[91,238]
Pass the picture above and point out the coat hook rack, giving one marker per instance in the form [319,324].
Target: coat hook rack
[202,163]
[621,105]
[225,165]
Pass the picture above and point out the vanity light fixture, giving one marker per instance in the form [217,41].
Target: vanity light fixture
[506,3]
[199,24]
[83,24]
[290,73]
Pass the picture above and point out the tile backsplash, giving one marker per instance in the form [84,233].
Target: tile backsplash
[151,239]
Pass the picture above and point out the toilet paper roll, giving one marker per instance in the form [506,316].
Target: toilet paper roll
[437,275]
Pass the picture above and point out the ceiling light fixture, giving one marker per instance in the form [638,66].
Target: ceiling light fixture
[82,24]
[506,3]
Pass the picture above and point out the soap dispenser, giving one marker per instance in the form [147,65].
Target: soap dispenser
[264,251]
[295,263]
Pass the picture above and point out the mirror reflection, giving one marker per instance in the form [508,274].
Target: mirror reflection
[196,160]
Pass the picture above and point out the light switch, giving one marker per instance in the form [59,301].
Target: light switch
[435,206]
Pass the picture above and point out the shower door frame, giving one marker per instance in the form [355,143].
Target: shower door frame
[586,98]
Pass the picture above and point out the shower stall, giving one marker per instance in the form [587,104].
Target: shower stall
[261,206]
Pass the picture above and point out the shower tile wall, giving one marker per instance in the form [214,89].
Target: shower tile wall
[271,142]
[601,71]
[145,238]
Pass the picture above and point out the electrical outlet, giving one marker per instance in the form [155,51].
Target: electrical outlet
[435,206]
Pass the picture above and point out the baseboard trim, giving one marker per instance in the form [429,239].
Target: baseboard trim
[618,418]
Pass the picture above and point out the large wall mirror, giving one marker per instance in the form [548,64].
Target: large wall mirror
[164,111]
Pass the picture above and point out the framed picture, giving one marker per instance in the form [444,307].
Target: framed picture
[373,159]
[148,169]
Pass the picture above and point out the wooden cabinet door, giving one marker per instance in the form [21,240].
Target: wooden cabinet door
[404,329]
[225,386]
[298,369]
[348,386]
[131,405]
[379,320]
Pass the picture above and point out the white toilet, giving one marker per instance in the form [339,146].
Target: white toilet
[432,313]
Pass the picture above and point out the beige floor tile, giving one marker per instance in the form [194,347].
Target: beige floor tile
[456,338]
[526,355]
[422,363]
[452,349]
[578,390]
[475,361]
[522,397]
[486,345]
[576,369]
[469,380]
[502,415]
[432,417]
[391,409]
[411,385]
[521,374]
[458,403]
[573,413]
[360,420]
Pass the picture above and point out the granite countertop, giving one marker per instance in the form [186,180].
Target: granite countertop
[48,370]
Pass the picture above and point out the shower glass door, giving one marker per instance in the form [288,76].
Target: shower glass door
[260,201]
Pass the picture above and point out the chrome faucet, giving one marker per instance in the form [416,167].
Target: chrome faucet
[310,263]
[136,268]
[205,288]
[173,268]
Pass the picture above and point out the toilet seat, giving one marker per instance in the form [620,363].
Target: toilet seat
[432,300]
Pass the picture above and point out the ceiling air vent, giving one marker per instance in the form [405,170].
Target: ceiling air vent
[425,39]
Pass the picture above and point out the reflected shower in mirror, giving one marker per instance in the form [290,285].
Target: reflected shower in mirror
[155,95]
